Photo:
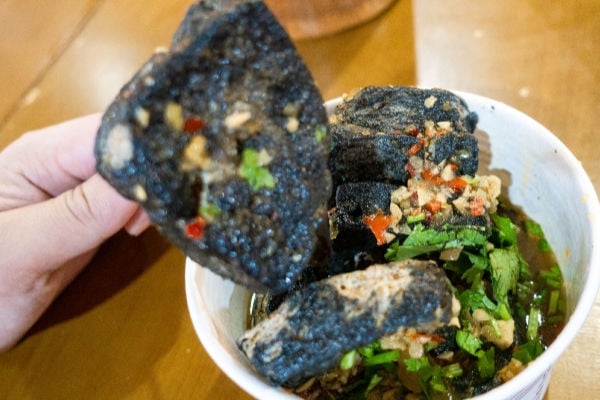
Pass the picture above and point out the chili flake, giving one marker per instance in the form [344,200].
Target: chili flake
[378,223]
[414,149]
[195,229]
[193,124]
[476,207]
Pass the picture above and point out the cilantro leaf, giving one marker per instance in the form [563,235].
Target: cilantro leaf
[479,264]
[423,241]
[472,299]
[505,230]
[468,342]
[505,271]
[486,362]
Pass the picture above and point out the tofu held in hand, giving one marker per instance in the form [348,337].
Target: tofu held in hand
[222,139]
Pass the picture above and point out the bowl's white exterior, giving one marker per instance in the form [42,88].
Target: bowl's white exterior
[541,176]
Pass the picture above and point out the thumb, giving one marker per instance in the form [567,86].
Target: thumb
[45,235]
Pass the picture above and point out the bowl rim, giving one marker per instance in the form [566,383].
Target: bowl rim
[250,383]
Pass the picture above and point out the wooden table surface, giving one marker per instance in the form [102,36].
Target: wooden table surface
[122,330]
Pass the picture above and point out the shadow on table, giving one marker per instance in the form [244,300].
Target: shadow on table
[118,263]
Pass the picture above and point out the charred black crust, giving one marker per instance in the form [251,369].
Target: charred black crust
[387,109]
[376,113]
[369,158]
[225,52]
[328,331]
[357,200]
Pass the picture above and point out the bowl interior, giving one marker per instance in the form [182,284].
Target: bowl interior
[539,174]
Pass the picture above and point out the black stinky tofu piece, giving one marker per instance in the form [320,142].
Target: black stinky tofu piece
[428,115]
[311,330]
[222,140]
[370,158]
[388,109]
[354,201]
[354,245]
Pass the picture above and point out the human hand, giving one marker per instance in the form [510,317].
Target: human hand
[55,211]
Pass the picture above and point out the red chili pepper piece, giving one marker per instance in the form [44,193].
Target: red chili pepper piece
[457,184]
[195,229]
[414,149]
[431,177]
[476,207]
[433,206]
[410,169]
[378,223]
[193,124]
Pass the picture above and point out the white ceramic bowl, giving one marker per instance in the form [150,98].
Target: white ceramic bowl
[540,175]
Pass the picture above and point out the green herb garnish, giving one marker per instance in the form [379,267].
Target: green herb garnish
[431,377]
[529,351]
[210,211]
[257,175]
[423,241]
[320,133]
[505,271]
[375,379]
[533,228]
[533,323]
[486,362]
[382,358]
[347,360]
[505,230]
[468,342]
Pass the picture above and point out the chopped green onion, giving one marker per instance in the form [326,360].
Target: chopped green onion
[251,168]
[453,370]
[553,302]
[504,311]
[553,283]
[437,384]
[411,219]
[529,351]
[543,245]
[210,211]
[495,328]
[382,358]
[375,379]
[347,360]
[554,274]
[320,132]
[533,323]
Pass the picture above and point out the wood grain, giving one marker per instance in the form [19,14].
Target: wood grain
[121,330]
